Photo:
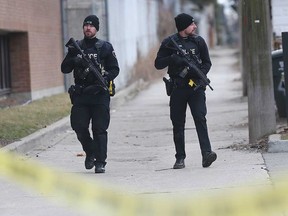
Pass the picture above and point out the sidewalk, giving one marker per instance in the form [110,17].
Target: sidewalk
[141,150]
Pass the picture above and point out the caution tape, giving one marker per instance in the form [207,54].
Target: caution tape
[95,197]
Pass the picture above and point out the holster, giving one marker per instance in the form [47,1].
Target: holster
[168,85]
[73,91]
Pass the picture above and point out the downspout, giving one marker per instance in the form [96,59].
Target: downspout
[107,17]
[63,5]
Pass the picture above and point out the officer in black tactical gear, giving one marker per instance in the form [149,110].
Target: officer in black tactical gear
[91,103]
[183,91]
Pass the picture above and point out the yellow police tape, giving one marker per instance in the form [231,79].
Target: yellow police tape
[102,200]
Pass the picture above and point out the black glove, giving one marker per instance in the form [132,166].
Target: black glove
[201,84]
[192,72]
[178,60]
[72,50]
[107,80]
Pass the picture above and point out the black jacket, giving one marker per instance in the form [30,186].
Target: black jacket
[107,60]
[198,50]
[103,58]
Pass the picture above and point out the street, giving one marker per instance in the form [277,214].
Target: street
[141,150]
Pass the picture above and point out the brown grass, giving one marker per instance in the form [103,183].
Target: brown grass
[144,68]
[19,121]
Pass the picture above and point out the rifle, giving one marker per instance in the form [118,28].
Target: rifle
[192,65]
[91,66]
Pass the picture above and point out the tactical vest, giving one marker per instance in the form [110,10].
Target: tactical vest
[98,45]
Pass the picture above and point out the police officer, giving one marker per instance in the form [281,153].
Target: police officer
[91,103]
[184,92]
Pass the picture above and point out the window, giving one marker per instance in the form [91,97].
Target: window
[5,78]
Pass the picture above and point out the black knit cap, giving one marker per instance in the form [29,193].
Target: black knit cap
[182,21]
[92,20]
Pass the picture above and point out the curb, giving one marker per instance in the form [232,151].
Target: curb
[276,145]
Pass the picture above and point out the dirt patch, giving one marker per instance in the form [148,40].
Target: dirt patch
[262,144]
[259,146]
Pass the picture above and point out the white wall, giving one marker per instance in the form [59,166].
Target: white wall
[279,16]
[201,17]
[205,28]
[132,27]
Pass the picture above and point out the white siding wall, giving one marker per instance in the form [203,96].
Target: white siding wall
[132,27]
[204,24]
[280,16]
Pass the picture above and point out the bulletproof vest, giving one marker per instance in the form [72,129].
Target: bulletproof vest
[192,49]
[94,55]
[97,46]
[96,49]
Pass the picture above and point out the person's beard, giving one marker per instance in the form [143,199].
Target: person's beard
[192,33]
[89,34]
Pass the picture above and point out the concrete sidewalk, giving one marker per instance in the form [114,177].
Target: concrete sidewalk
[141,150]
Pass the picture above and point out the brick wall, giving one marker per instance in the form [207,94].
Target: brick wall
[34,30]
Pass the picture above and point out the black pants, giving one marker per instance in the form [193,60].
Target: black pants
[178,104]
[99,115]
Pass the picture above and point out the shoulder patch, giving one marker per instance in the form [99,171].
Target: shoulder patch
[114,54]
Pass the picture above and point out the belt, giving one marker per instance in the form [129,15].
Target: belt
[180,82]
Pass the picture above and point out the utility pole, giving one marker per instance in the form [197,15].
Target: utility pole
[256,47]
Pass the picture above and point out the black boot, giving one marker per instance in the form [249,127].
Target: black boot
[99,168]
[89,161]
[179,164]
[208,158]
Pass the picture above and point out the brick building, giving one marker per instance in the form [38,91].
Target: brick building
[31,49]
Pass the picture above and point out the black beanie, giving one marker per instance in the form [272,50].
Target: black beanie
[92,20]
[182,21]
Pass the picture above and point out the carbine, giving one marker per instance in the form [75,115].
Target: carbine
[90,66]
[191,64]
